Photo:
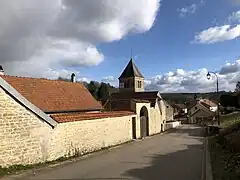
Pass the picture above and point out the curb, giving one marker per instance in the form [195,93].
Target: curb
[208,166]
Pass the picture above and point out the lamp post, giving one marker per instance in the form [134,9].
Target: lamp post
[208,77]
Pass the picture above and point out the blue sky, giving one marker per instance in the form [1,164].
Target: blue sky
[174,43]
[167,46]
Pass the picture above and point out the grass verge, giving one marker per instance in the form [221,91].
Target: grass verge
[19,167]
[229,119]
[224,159]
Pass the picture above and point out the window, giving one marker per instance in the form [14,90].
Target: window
[139,84]
[121,85]
[126,84]
[129,83]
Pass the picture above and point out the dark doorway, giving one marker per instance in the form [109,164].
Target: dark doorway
[134,128]
[161,127]
[144,124]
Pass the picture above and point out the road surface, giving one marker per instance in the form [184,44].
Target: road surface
[177,155]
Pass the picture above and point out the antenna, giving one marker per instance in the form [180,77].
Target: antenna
[131,53]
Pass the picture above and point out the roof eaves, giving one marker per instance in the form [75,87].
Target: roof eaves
[7,87]
[209,112]
[73,111]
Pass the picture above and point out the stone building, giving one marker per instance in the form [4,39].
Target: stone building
[43,120]
[151,110]
[202,111]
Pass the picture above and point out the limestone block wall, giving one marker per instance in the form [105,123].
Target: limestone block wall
[86,136]
[171,125]
[138,107]
[156,121]
[23,136]
[26,139]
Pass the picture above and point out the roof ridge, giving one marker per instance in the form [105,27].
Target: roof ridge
[131,70]
[53,95]
[24,77]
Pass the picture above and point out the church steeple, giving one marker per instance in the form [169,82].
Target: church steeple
[131,78]
[131,70]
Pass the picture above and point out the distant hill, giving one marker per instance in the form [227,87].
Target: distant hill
[102,90]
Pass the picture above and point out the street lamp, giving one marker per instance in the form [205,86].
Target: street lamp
[208,77]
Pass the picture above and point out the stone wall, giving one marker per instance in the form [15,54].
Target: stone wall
[26,139]
[137,109]
[169,112]
[156,121]
[20,142]
[90,135]
[171,125]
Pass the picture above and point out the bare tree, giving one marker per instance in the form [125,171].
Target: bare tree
[237,89]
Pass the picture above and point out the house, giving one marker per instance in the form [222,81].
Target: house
[151,110]
[43,120]
[202,110]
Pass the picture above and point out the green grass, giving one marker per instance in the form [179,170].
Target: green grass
[225,160]
[18,168]
[230,119]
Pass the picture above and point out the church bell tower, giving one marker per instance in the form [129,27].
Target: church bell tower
[131,79]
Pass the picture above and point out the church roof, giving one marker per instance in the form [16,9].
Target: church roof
[131,70]
[149,96]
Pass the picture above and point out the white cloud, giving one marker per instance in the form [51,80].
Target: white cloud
[187,10]
[44,38]
[108,78]
[229,68]
[234,17]
[191,9]
[196,81]
[111,80]
[218,34]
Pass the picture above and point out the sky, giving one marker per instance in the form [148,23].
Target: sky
[173,43]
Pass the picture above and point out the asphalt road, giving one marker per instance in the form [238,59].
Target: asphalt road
[177,155]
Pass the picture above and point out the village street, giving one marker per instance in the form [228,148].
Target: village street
[174,155]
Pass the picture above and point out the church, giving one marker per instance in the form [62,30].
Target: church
[151,110]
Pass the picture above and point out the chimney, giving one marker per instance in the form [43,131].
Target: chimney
[1,70]
[73,78]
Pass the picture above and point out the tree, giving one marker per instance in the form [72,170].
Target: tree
[98,90]
[228,100]
[93,88]
[195,96]
[237,89]
[103,91]
[63,79]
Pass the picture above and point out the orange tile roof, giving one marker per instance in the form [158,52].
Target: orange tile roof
[54,95]
[71,117]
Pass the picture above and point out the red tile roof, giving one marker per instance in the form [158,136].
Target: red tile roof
[54,95]
[71,117]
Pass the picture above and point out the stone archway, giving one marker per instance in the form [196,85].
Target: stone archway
[144,122]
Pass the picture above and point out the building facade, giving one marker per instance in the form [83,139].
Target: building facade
[202,111]
[151,110]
